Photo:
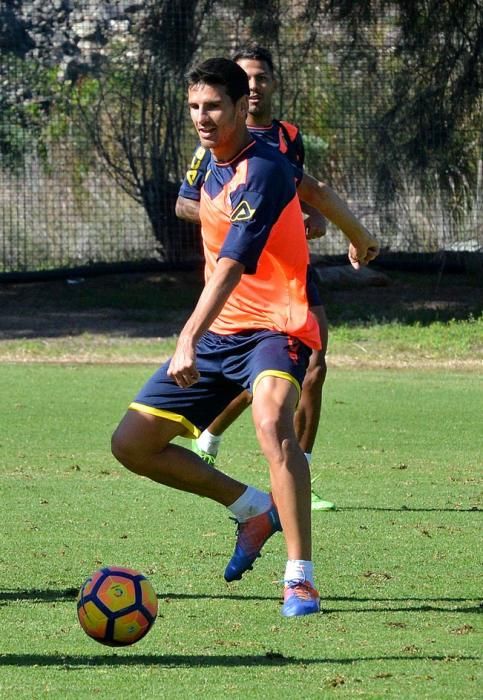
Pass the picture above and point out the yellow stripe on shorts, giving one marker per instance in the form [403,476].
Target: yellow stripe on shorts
[191,429]
[281,375]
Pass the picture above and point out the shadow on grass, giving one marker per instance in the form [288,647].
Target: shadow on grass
[200,660]
[410,299]
[408,509]
[147,305]
[430,604]
[475,609]
[466,605]
[35,595]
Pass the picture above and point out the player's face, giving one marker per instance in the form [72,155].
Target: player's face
[262,86]
[220,123]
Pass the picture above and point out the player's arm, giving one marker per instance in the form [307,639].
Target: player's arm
[315,222]
[188,210]
[222,282]
[363,246]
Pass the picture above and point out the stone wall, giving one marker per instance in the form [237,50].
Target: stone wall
[70,34]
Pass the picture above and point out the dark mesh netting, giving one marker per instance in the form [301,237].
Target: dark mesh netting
[95,136]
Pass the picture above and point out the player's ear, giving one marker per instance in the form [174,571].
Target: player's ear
[243,105]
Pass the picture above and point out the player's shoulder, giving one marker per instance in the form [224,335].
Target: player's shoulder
[266,163]
[289,128]
[265,156]
[199,160]
[200,152]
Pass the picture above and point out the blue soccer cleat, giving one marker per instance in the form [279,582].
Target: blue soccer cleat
[300,598]
[251,536]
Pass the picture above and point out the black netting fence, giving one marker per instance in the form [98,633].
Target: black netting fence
[95,136]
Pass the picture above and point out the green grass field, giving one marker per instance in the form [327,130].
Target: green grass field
[398,563]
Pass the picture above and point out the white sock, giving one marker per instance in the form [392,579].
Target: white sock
[308,456]
[299,570]
[209,443]
[252,502]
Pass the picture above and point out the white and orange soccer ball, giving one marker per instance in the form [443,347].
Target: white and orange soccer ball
[117,606]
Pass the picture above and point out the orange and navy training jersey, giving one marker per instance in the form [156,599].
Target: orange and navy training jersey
[286,137]
[250,213]
[283,135]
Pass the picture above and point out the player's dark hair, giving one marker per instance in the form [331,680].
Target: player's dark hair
[256,53]
[220,71]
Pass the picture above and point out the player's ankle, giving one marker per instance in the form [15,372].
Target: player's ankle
[209,443]
[299,570]
[252,502]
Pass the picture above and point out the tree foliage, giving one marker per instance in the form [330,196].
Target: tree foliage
[397,83]
[431,125]
[134,110]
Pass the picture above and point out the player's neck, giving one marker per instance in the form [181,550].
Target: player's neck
[225,154]
[259,121]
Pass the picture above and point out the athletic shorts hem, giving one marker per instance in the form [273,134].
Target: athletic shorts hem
[280,375]
[193,431]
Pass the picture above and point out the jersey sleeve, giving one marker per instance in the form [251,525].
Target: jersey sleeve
[195,175]
[293,147]
[299,148]
[255,210]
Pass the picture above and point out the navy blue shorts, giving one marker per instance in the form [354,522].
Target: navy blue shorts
[227,364]
[313,295]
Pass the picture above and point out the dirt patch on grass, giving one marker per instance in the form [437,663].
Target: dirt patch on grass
[71,316]
[458,364]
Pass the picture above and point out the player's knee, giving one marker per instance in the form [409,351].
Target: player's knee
[118,445]
[265,426]
[123,450]
[269,427]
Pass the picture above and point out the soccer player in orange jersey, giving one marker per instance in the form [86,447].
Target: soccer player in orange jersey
[251,329]
[257,62]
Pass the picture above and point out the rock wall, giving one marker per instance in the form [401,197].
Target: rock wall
[70,34]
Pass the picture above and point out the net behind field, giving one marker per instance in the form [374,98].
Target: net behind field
[95,135]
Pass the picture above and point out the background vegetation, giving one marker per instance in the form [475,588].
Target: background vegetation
[388,95]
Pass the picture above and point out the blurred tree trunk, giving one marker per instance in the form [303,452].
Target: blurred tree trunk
[134,112]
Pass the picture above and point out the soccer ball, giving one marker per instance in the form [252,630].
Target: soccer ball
[117,606]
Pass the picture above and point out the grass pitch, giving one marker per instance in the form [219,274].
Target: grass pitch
[398,563]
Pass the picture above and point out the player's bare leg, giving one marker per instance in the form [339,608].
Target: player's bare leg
[141,443]
[273,407]
[206,446]
[233,411]
[307,416]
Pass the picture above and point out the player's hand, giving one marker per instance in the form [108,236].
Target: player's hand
[182,367]
[363,253]
[315,226]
